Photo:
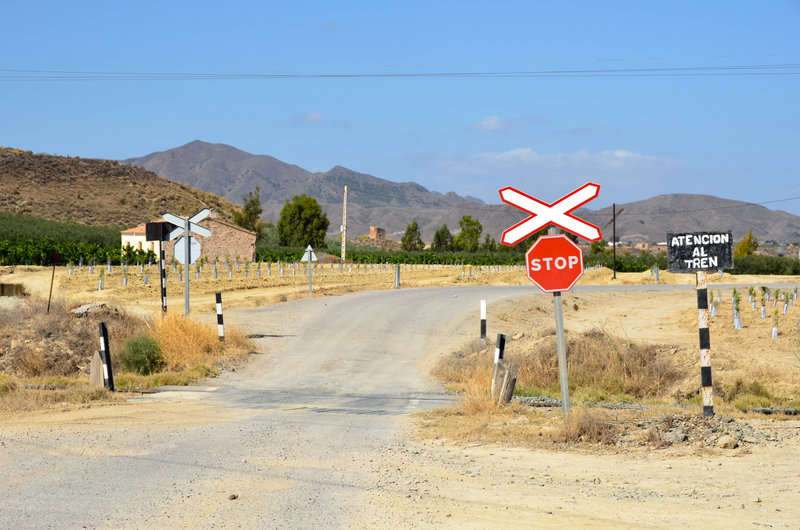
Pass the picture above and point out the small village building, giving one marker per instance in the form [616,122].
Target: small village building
[135,237]
[377,233]
[226,241]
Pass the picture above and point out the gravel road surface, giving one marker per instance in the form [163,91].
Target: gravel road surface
[290,440]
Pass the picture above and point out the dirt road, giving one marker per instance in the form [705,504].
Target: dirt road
[295,436]
[315,432]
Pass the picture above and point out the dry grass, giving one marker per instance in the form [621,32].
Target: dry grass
[185,342]
[589,426]
[601,367]
[35,343]
[15,397]
[132,381]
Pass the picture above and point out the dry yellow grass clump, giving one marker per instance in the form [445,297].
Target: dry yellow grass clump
[185,342]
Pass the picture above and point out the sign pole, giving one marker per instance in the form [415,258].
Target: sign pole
[558,310]
[187,258]
[309,268]
[562,353]
[162,271]
[707,390]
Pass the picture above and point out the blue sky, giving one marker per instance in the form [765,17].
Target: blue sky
[658,129]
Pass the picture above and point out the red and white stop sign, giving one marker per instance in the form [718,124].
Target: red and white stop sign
[554,263]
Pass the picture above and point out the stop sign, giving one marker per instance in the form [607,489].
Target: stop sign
[554,263]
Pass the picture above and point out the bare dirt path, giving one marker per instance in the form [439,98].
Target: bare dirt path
[315,431]
[295,436]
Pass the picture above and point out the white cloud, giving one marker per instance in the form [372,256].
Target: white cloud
[493,124]
[522,160]
[584,131]
[550,175]
[313,116]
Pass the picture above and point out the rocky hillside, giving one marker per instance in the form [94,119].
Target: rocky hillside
[649,220]
[373,201]
[94,192]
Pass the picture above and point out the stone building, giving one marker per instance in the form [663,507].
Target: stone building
[377,233]
[226,241]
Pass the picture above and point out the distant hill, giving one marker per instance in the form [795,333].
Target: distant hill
[373,201]
[94,192]
[649,220]
[110,193]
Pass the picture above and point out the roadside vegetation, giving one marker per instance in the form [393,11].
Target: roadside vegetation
[29,240]
[45,358]
[656,385]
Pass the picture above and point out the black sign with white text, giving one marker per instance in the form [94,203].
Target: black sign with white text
[699,251]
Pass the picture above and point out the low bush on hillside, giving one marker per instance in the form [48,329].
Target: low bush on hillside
[141,354]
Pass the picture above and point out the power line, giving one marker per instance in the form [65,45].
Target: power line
[9,74]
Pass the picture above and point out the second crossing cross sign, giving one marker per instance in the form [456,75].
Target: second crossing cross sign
[184,226]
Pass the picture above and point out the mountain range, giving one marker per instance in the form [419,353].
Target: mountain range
[112,193]
[372,201]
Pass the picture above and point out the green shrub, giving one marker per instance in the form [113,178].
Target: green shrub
[141,354]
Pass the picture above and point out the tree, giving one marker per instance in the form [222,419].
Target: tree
[489,244]
[267,237]
[470,235]
[302,223]
[599,247]
[442,240]
[412,239]
[248,218]
[747,246]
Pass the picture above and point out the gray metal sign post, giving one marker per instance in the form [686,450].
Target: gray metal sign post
[184,226]
[309,256]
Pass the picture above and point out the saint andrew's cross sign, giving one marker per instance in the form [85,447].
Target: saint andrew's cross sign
[553,263]
[543,214]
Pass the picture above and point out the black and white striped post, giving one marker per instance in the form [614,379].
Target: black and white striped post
[483,319]
[220,328]
[105,356]
[700,252]
[499,353]
[500,347]
[705,344]
[162,265]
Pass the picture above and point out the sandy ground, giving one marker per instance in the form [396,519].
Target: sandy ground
[416,482]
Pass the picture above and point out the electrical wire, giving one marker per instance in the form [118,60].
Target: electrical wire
[11,74]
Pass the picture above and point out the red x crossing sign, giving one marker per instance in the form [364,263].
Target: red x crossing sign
[543,214]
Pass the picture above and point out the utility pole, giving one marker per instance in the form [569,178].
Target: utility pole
[344,225]
[614,237]
[614,214]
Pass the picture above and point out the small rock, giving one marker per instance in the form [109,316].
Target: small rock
[89,308]
[518,336]
[675,436]
[727,442]
[232,497]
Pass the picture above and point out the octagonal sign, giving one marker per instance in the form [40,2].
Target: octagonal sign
[554,263]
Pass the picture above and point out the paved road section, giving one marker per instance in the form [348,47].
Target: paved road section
[293,436]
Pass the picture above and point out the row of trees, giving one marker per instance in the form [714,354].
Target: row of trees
[302,221]
[467,240]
